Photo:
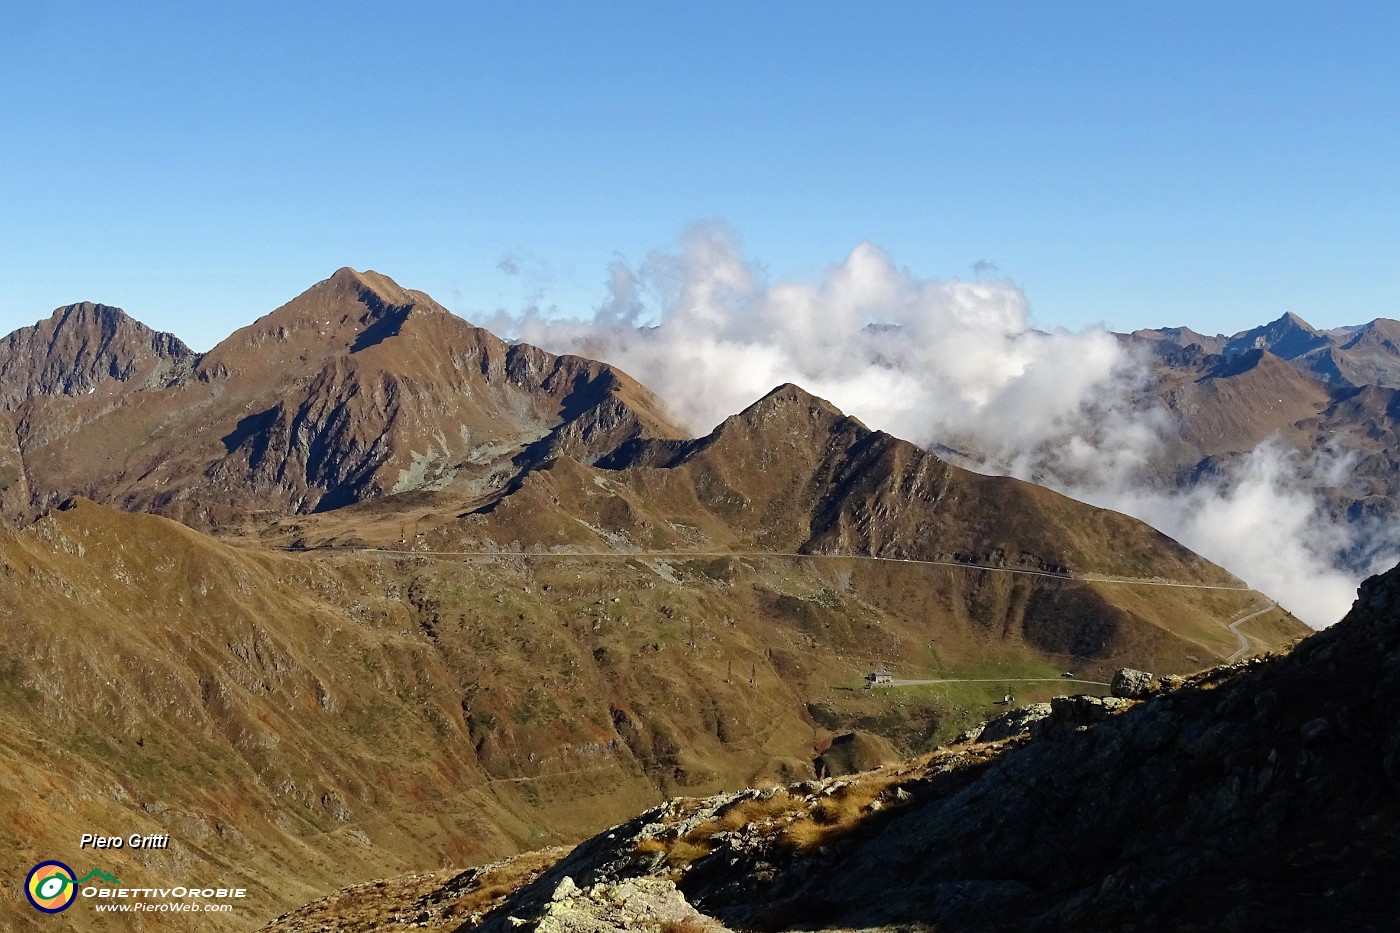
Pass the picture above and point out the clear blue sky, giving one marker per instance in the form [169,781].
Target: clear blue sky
[1211,164]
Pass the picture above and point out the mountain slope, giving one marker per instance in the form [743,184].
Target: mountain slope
[496,602]
[792,472]
[1195,806]
[356,389]
[299,721]
[1317,392]
[1237,402]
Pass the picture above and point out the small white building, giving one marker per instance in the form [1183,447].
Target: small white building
[880,678]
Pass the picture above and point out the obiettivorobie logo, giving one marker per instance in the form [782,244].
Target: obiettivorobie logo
[52,887]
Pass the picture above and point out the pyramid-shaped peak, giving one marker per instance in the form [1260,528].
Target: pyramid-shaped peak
[1289,337]
[791,394]
[1290,319]
[788,402]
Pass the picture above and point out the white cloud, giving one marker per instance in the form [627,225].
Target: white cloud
[1262,521]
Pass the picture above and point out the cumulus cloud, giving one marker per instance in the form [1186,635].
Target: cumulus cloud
[956,364]
[922,358]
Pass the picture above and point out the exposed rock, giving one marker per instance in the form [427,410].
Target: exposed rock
[1044,719]
[1131,684]
[354,390]
[1016,722]
[86,348]
[1077,713]
[634,904]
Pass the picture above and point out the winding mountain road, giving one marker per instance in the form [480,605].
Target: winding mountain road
[1244,639]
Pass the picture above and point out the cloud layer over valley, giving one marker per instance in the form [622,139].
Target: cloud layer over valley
[956,365]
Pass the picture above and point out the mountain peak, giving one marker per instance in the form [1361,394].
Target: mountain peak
[792,394]
[787,403]
[83,311]
[349,310]
[377,284]
[1288,337]
[85,346]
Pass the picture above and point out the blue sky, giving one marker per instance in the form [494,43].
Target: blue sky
[1211,164]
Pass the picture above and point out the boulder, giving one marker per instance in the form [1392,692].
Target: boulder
[1130,684]
[1016,722]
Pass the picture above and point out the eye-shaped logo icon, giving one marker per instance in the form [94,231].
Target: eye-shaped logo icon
[50,887]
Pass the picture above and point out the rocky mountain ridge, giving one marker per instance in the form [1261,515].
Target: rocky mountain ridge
[356,389]
[86,347]
[1366,354]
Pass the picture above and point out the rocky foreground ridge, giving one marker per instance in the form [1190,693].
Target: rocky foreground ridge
[1260,795]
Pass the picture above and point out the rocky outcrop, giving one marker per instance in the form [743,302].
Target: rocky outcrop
[1045,719]
[633,904]
[1130,684]
[1015,722]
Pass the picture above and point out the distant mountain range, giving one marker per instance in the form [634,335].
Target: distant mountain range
[1334,391]
[1351,357]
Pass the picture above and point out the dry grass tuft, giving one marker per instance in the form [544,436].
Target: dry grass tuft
[747,812]
[688,925]
[682,852]
[837,815]
[496,883]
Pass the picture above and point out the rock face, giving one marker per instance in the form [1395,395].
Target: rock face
[1130,684]
[84,348]
[1015,722]
[1197,807]
[1045,719]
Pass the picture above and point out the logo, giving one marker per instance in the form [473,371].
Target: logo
[50,887]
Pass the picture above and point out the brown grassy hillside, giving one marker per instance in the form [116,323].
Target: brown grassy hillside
[298,721]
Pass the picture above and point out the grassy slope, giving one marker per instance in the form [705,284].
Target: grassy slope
[299,722]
